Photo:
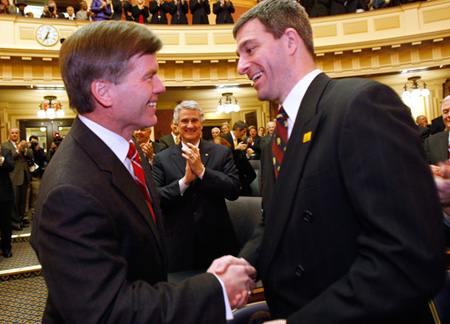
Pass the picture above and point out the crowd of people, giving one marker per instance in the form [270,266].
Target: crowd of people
[157,11]
[151,12]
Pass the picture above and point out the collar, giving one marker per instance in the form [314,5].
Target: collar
[292,102]
[115,142]
[185,146]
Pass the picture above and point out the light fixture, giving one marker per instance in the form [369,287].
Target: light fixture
[50,108]
[227,103]
[415,87]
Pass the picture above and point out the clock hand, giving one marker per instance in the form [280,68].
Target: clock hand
[46,35]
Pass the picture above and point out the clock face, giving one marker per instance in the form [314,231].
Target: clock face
[47,35]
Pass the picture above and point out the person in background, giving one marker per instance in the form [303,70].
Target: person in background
[178,9]
[270,130]
[84,13]
[140,12]
[436,146]
[193,179]
[51,11]
[40,162]
[159,10]
[101,10]
[254,144]
[98,229]
[173,138]
[200,10]
[225,128]
[347,234]
[424,128]
[261,132]
[71,13]
[6,200]
[20,176]
[215,132]
[7,8]
[20,5]
[223,10]
[149,148]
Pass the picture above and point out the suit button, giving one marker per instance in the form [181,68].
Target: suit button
[299,271]
[307,216]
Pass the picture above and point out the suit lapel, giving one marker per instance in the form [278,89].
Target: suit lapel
[443,146]
[121,178]
[204,151]
[178,159]
[290,174]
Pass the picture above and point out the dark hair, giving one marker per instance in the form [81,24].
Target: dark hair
[277,16]
[240,125]
[101,50]
[33,137]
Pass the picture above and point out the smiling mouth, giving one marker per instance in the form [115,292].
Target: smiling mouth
[256,76]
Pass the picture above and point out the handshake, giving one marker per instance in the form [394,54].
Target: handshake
[238,277]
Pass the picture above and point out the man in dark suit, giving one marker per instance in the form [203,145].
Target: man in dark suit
[20,176]
[270,130]
[223,10]
[172,139]
[424,128]
[6,200]
[437,145]
[200,10]
[437,125]
[97,229]
[350,235]
[149,148]
[254,144]
[193,180]
[239,145]
[178,9]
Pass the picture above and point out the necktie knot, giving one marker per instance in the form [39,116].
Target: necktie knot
[132,153]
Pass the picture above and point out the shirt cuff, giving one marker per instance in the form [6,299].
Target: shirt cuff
[2,159]
[183,186]
[203,173]
[228,312]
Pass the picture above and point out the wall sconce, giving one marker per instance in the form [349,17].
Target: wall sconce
[414,88]
[50,108]
[227,103]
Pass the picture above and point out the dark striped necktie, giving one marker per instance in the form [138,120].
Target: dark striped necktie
[280,140]
[139,176]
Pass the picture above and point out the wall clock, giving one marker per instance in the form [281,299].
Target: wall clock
[47,35]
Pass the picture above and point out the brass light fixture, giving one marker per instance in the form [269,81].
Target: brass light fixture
[228,103]
[50,108]
[415,87]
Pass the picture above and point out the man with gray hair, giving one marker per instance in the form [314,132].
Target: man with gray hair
[436,146]
[98,228]
[193,180]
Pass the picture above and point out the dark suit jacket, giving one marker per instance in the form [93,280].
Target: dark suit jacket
[200,11]
[159,15]
[167,141]
[424,132]
[436,148]
[137,13]
[103,256]
[21,169]
[223,13]
[256,146]
[437,125]
[184,9]
[351,237]
[197,226]
[266,139]
[6,189]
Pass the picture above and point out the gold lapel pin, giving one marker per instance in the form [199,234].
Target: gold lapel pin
[307,137]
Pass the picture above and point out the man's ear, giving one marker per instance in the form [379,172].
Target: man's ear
[103,92]
[292,39]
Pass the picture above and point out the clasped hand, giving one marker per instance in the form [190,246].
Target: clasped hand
[238,276]
[194,165]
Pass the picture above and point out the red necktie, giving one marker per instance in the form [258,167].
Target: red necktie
[139,176]
[280,140]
